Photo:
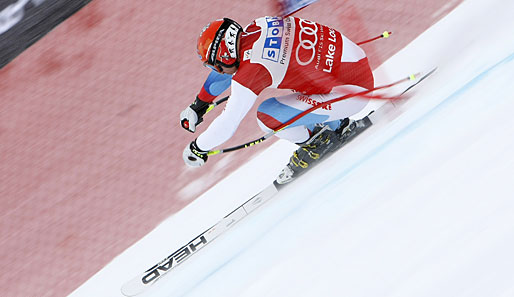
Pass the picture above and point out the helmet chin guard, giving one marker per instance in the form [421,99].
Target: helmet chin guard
[217,44]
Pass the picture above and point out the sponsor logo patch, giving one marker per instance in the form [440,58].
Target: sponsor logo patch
[312,102]
[273,41]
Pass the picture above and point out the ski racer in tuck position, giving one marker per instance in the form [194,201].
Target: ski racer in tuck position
[315,61]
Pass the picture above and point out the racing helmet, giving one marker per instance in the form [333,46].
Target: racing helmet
[217,44]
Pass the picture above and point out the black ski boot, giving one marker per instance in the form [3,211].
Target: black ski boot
[350,128]
[323,141]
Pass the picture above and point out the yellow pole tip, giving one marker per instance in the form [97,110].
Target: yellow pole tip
[386,34]
[210,153]
[412,77]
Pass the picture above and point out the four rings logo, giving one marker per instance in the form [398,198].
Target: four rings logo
[307,29]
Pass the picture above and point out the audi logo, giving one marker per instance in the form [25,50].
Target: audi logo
[306,30]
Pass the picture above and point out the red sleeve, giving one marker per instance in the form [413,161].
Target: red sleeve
[205,96]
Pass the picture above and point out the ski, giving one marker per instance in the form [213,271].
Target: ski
[143,281]
[140,283]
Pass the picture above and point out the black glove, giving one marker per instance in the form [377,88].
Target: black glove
[193,115]
[194,156]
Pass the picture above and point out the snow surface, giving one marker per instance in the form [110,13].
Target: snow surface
[420,205]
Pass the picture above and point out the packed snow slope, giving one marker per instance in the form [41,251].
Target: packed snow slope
[421,204]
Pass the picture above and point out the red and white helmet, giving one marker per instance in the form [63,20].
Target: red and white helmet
[217,44]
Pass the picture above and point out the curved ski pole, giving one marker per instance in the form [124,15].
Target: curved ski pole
[302,114]
[358,94]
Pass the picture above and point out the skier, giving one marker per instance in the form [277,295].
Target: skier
[315,61]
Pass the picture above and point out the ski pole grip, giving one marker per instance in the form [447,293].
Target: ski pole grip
[185,124]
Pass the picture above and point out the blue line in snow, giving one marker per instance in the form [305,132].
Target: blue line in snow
[450,99]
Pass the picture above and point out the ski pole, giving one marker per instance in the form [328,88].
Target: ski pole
[302,114]
[185,122]
[214,104]
[386,34]
[358,94]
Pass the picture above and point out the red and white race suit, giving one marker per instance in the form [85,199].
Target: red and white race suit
[292,53]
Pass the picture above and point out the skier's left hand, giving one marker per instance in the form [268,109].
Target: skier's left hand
[193,115]
[193,156]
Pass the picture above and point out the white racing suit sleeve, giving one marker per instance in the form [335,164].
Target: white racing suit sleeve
[225,125]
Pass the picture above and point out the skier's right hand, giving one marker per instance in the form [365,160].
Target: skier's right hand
[193,115]
[193,156]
